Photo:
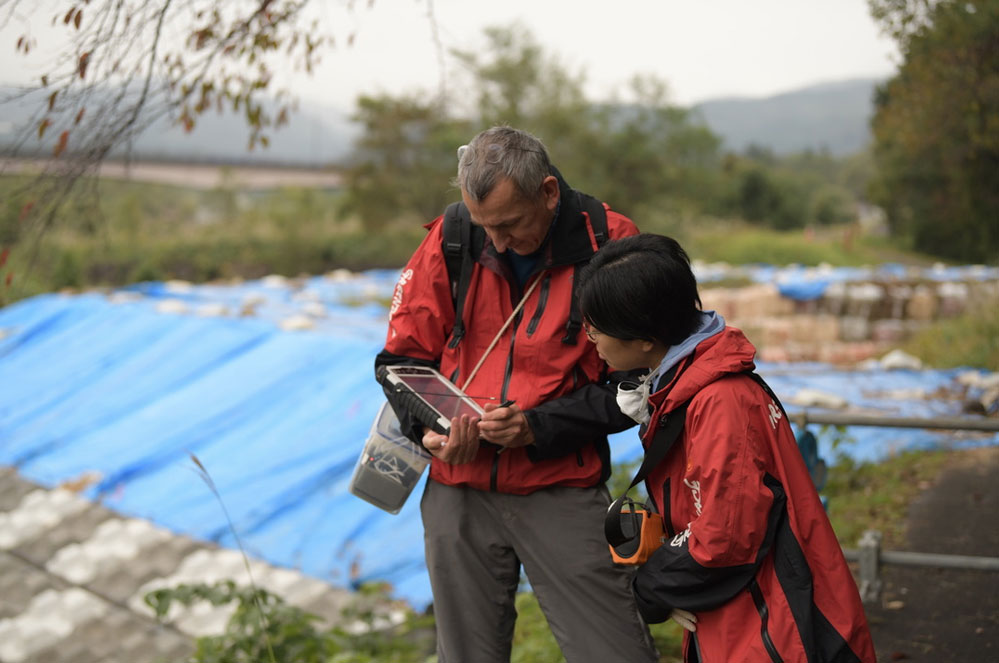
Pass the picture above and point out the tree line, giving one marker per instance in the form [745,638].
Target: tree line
[936,127]
[933,165]
[649,158]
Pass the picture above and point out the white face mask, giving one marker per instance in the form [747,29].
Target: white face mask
[633,399]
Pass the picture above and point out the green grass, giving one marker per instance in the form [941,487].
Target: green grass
[866,496]
[533,641]
[970,340]
[740,244]
[144,231]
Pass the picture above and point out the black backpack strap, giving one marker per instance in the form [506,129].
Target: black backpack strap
[770,392]
[662,442]
[598,222]
[598,217]
[456,245]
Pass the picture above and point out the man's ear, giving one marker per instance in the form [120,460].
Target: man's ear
[550,192]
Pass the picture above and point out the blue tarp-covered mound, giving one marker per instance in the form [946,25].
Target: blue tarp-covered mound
[803,283]
[270,384]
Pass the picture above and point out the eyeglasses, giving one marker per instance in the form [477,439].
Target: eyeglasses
[591,333]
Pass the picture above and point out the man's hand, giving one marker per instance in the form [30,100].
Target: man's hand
[460,446]
[687,620]
[505,426]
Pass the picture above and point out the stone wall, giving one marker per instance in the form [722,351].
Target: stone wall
[850,322]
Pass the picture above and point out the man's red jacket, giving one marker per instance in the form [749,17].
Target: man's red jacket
[555,382]
[749,547]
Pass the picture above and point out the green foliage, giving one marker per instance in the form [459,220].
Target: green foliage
[648,158]
[144,232]
[835,245]
[864,495]
[970,340]
[67,270]
[785,193]
[533,641]
[621,475]
[264,628]
[402,163]
[936,127]
[648,154]
[283,632]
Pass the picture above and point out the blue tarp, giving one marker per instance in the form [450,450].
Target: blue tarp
[111,385]
[803,283]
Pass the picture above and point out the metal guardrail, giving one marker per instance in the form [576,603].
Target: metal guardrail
[871,558]
[869,555]
[805,417]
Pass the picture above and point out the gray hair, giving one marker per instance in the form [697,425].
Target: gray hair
[502,152]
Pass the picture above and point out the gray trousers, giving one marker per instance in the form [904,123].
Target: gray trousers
[476,543]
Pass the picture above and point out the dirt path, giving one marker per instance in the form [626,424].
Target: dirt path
[944,615]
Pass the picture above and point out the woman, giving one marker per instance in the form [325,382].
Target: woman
[748,547]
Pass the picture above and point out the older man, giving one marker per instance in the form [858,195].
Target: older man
[523,486]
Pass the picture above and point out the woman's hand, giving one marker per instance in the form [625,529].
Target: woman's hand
[505,426]
[687,620]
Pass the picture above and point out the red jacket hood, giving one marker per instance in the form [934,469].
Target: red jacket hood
[725,353]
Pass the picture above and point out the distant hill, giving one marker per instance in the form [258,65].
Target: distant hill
[834,116]
[315,136]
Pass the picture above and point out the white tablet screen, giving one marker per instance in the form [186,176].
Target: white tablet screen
[435,393]
[439,396]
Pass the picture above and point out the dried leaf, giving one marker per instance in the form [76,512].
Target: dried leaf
[42,126]
[79,116]
[82,67]
[28,206]
[52,98]
[69,16]
[10,277]
[76,21]
[45,81]
[61,145]
[3,256]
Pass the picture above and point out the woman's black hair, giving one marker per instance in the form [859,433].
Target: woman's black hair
[640,287]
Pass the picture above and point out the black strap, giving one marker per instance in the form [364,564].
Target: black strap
[458,258]
[662,442]
[770,392]
[664,439]
[460,261]
[598,222]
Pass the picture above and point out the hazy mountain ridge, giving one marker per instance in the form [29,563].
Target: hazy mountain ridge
[833,116]
[315,136]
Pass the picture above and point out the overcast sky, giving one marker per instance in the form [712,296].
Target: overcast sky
[704,49]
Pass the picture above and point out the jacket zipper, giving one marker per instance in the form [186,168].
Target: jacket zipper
[696,645]
[508,373]
[667,520]
[761,607]
[542,301]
